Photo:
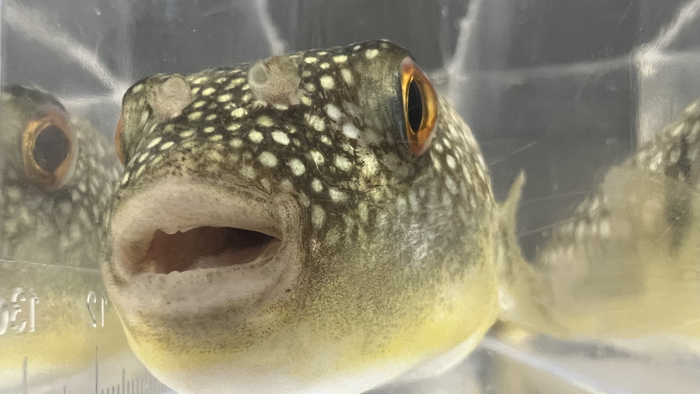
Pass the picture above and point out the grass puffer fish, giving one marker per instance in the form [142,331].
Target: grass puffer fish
[57,178]
[627,263]
[318,222]
[58,174]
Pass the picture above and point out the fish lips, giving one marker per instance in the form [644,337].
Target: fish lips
[182,245]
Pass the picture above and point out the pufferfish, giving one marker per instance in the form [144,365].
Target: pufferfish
[627,262]
[57,178]
[57,174]
[321,222]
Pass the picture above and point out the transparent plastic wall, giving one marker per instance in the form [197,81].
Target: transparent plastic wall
[560,89]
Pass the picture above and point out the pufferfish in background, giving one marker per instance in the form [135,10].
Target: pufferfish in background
[57,176]
[627,263]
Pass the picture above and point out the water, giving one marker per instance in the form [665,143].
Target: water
[562,90]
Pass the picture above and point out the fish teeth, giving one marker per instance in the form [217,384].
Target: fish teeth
[170,230]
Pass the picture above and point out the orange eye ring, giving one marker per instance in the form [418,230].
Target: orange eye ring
[48,152]
[118,139]
[420,106]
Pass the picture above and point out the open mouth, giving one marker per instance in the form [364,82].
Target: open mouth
[181,246]
[181,225]
[205,247]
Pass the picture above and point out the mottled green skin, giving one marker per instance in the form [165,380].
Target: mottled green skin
[396,251]
[54,227]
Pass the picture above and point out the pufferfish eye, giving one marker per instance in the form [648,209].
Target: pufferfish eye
[420,106]
[48,150]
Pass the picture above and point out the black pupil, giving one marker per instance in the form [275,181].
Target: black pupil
[51,148]
[415,107]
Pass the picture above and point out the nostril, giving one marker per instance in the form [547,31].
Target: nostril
[205,247]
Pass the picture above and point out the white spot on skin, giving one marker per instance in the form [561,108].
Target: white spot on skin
[333,112]
[166,145]
[451,161]
[297,167]
[198,104]
[209,129]
[215,156]
[317,123]
[306,101]
[342,163]
[317,157]
[239,112]
[371,53]
[255,136]
[310,60]
[336,195]
[268,159]
[153,143]
[236,143]
[235,83]
[233,127]
[199,80]
[324,66]
[340,59]
[324,139]
[224,98]
[208,91]
[140,170]
[327,82]
[280,137]
[436,163]
[369,166]
[316,185]
[248,172]
[265,121]
[351,131]
[195,115]
[187,134]
[347,76]
[317,216]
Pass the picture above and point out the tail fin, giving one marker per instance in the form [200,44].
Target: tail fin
[521,296]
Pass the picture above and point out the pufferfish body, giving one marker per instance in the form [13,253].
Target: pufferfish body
[316,222]
[626,264]
[57,174]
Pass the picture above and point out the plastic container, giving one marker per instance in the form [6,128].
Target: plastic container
[560,89]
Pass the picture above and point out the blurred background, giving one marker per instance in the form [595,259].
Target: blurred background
[561,89]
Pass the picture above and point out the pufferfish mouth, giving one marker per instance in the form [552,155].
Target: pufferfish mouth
[205,247]
[181,232]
